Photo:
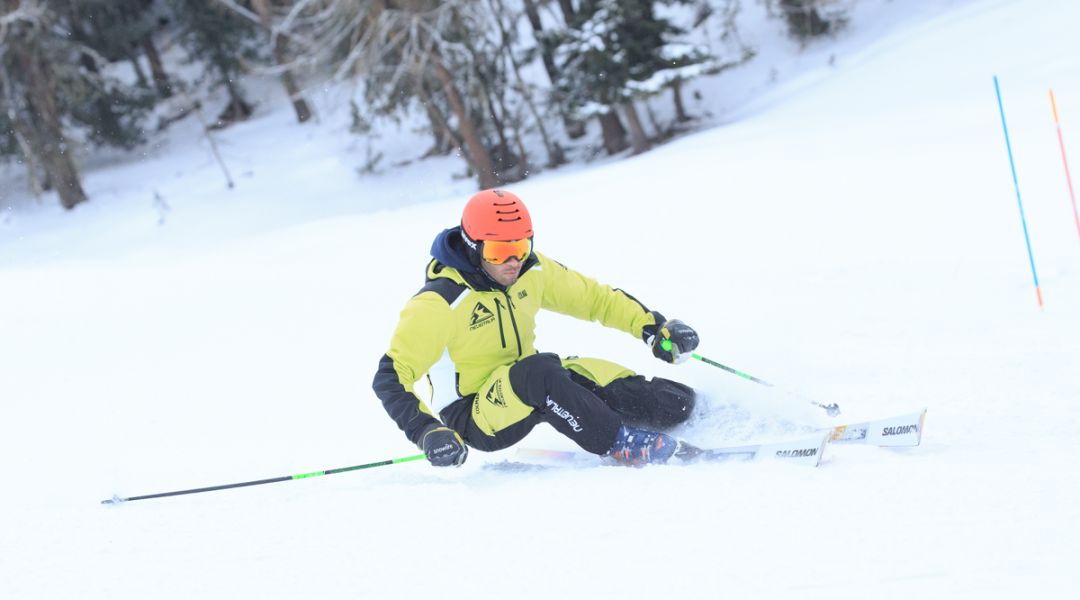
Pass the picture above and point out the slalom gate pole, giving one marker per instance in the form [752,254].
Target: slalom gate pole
[392,461]
[1065,161]
[1016,184]
[832,409]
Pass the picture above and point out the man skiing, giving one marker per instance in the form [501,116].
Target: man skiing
[484,287]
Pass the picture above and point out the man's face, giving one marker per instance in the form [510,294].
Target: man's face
[505,274]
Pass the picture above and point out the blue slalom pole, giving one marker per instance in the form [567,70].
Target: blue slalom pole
[1016,183]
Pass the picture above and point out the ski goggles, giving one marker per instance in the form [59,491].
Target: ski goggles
[496,252]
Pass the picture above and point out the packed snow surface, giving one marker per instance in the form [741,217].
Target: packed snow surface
[848,231]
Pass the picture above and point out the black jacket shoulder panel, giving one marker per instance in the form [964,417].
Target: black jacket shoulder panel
[448,289]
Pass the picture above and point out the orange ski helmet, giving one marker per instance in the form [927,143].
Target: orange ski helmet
[496,215]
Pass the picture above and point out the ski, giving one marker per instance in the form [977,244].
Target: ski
[900,431]
[805,451]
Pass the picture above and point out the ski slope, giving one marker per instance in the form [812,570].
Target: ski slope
[850,233]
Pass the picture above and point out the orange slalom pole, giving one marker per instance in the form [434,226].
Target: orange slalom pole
[1065,161]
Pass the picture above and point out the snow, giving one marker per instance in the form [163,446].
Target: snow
[850,234]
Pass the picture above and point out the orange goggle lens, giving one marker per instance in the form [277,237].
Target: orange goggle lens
[497,253]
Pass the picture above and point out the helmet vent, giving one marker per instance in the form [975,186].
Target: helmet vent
[496,215]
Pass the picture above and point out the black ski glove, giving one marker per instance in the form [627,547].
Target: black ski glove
[671,342]
[443,447]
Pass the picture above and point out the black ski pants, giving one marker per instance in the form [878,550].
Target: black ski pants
[540,389]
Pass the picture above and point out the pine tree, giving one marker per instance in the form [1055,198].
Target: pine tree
[808,19]
[612,56]
[524,88]
[441,54]
[218,38]
[30,86]
[546,45]
[279,49]
[43,92]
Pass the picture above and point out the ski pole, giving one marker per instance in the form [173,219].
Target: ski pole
[392,461]
[832,409]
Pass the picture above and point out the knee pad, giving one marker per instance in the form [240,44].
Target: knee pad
[659,403]
[675,401]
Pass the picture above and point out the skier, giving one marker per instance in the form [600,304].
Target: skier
[484,287]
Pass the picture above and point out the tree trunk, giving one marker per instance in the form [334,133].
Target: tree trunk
[637,133]
[804,20]
[238,109]
[54,147]
[157,69]
[140,75]
[474,144]
[574,128]
[568,11]
[442,142]
[659,132]
[520,166]
[22,138]
[504,161]
[555,153]
[278,48]
[300,105]
[445,138]
[613,132]
[680,108]
[80,35]
[21,131]
[538,29]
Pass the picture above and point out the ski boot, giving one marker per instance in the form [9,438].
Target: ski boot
[637,447]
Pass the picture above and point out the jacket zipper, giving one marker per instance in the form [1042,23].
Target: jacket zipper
[498,309]
[513,321]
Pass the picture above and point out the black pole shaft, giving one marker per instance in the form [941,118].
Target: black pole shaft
[227,486]
[197,490]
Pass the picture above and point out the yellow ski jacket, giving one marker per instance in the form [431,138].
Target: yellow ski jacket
[483,326]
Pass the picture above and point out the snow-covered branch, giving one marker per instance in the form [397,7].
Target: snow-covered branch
[28,12]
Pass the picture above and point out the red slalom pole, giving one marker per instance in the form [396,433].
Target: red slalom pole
[1065,161]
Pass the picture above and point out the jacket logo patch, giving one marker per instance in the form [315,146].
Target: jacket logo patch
[481,316]
[495,395]
[523,294]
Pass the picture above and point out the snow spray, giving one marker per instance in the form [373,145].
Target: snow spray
[832,409]
[1016,184]
[1065,161]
